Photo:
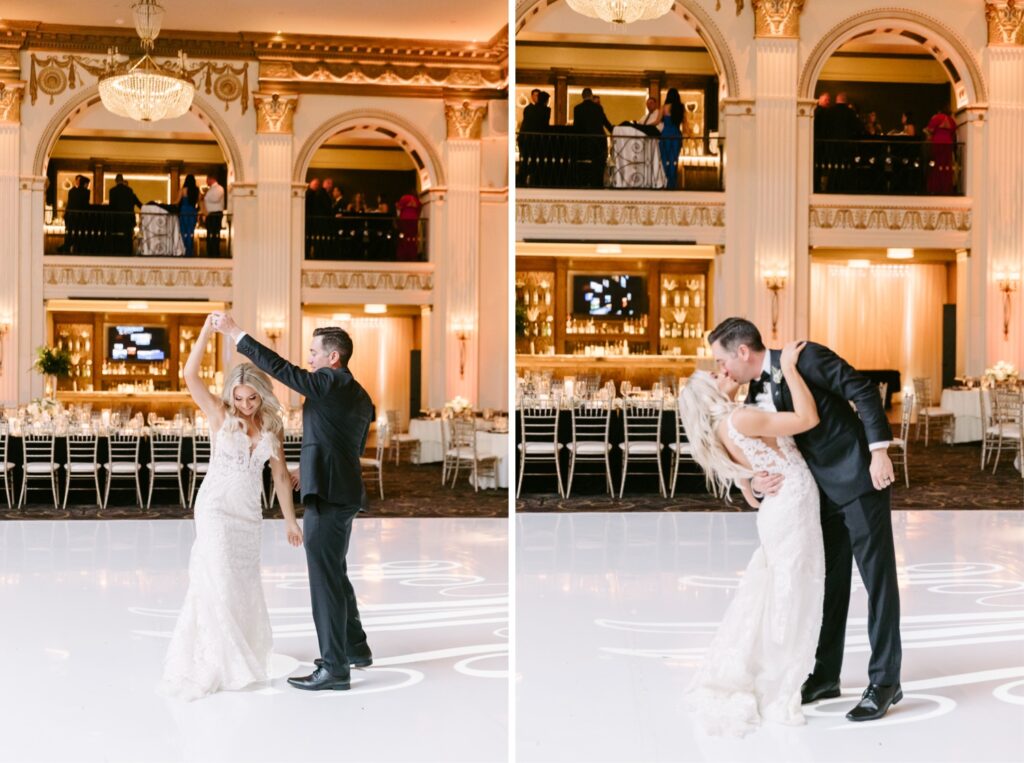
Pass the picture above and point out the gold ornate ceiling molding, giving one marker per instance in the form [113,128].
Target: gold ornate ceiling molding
[52,75]
[301,63]
[275,113]
[10,102]
[1005,23]
[465,121]
[777,18]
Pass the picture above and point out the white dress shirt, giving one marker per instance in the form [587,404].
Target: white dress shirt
[214,198]
[765,402]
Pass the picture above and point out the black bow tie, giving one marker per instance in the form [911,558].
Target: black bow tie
[757,386]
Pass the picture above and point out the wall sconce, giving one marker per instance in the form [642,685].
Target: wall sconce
[775,280]
[1007,283]
[273,330]
[5,326]
[462,331]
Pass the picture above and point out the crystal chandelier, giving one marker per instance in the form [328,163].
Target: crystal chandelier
[144,90]
[621,11]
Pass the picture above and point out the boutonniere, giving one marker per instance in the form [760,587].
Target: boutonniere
[777,375]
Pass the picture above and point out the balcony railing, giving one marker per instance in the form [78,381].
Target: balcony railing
[155,231]
[563,158]
[373,237]
[904,166]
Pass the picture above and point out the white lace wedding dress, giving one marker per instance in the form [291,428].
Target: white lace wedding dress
[222,639]
[765,645]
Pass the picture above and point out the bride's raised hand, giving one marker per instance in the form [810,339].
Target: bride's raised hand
[791,353]
[294,533]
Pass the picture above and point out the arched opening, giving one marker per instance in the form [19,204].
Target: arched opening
[124,188]
[631,74]
[368,178]
[889,88]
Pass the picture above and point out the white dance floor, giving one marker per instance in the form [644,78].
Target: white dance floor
[614,611]
[87,608]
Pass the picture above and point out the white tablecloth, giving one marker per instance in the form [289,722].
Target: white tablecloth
[161,234]
[428,432]
[636,159]
[966,407]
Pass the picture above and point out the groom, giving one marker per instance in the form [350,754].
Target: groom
[846,453]
[336,418]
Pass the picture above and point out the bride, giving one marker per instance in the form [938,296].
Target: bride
[222,639]
[764,647]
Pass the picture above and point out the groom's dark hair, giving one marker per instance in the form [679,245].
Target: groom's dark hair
[334,339]
[732,332]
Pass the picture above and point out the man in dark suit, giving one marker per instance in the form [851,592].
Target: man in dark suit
[846,453]
[122,201]
[588,118]
[76,207]
[336,417]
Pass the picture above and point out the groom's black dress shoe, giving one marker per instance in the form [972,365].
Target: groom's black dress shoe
[875,702]
[321,680]
[813,690]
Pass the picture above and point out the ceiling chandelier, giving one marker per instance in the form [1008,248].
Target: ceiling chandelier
[144,90]
[621,11]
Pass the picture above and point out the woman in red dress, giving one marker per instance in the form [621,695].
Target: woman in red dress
[409,227]
[941,132]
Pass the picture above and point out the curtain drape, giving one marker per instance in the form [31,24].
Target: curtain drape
[882,317]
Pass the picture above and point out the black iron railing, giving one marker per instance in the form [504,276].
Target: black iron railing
[629,158]
[889,166]
[157,230]
[372,237]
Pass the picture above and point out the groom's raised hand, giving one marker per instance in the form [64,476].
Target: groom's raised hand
[225,324]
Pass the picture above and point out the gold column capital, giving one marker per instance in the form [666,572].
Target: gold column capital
[1005,23]
[10,102]
[275,113]
[777,18]
[465,121]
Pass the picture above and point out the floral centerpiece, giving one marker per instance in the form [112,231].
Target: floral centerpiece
[53,363]
[1001,372]
[44,409]
[458,406]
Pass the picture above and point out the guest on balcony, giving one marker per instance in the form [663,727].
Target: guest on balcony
[337,201]
[589,118]
[671,137]
[213,212]
[188,213]
[409,227]
[941,132]
[653,116]
[122,201]
[312,223]
[536,120]
[78,203]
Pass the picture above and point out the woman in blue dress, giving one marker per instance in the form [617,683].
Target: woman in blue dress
[188,211]
[671,136]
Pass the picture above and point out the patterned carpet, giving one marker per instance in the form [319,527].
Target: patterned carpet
[410,491]
[941,477]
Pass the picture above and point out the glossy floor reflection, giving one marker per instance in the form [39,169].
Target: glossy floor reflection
[615,610]
[88,607]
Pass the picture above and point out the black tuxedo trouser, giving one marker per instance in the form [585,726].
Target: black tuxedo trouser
[327,529]
[860,530]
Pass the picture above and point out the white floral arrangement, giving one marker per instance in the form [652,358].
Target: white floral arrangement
[43,408]
[458,405]
[1001,371]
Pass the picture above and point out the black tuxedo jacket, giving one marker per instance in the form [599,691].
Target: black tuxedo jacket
[589,117]
[336,418]
[837,449]
[536,118]
[123,199]
[79,198]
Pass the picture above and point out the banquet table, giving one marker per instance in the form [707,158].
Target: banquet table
[966,405]
[636,159]
[488,443]
[160,232]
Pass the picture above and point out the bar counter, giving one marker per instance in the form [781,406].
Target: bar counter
[640,370]
[164,404]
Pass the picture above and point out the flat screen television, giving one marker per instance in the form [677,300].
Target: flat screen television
[610,296]
[137,344]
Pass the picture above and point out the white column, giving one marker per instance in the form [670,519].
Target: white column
[774,214]
[435,347]
[973,324]
[735,282]
[801,282]
[1004,223]
[12,323]
[426,354]
[459,289]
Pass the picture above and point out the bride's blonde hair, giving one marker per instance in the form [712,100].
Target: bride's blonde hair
[702,407]
[268,415]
